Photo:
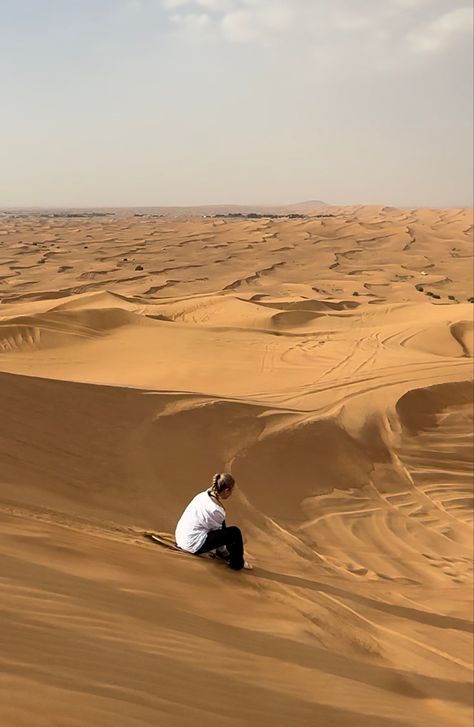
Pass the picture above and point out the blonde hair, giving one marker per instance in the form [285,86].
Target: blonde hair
[220,482]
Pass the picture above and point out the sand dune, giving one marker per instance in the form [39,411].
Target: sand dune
[314,360]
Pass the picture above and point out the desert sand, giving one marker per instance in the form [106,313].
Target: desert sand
[310,358]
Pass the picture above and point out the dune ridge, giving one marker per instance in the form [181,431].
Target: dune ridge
[138,356]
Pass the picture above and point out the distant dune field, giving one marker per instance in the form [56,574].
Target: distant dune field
[327,363]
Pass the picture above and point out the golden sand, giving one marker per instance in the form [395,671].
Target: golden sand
[140,355]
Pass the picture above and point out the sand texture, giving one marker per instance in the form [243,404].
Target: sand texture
[327,363]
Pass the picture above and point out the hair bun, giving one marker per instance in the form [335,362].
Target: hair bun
[221,482]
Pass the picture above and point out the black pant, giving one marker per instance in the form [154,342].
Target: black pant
[232,539]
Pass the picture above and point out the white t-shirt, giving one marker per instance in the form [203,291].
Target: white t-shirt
[202,515]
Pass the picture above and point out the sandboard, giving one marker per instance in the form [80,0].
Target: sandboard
[167,541]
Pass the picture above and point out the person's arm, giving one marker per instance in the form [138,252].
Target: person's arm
[214,518]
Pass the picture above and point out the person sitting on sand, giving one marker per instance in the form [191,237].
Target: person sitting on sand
[202,527]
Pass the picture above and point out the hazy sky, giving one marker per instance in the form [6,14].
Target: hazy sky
[157,102]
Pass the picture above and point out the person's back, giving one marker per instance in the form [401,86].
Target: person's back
[202,515]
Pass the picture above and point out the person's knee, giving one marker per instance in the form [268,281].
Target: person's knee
[234,533]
